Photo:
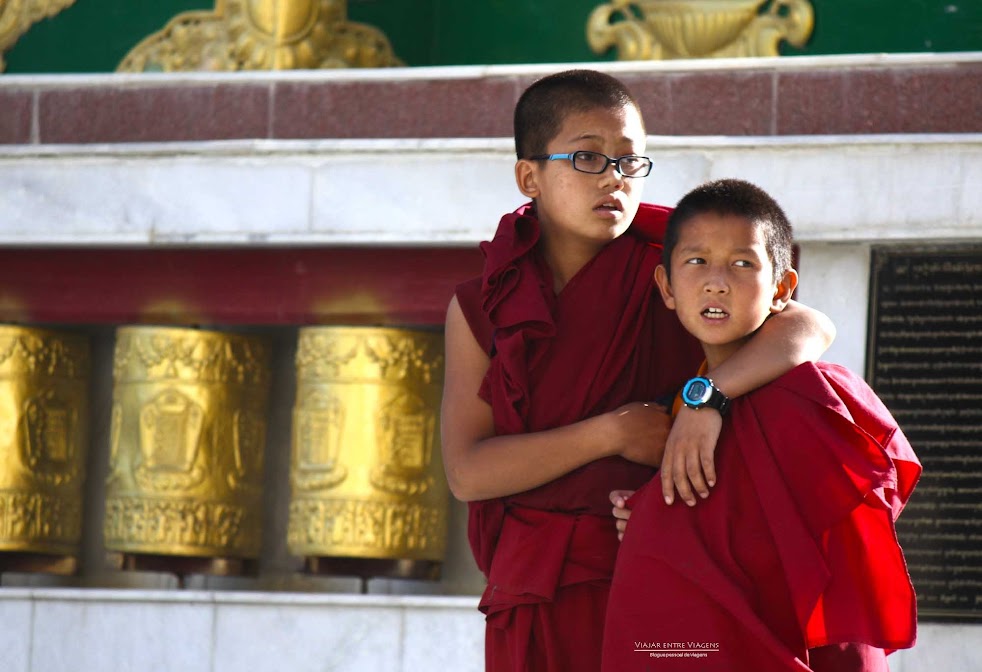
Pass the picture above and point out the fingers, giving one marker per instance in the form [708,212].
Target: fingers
[681,478]
[693,469]
[667,483]
[621,513]
[708,463]
[689,466]
[619,497]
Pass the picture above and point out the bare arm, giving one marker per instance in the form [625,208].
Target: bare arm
[794,336]
[480,465]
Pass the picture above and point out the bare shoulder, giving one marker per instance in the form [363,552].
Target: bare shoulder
[462,348]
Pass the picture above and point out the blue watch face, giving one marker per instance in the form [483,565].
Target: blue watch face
[696,390]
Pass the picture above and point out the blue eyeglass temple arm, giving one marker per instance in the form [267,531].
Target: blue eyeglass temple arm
[558,157]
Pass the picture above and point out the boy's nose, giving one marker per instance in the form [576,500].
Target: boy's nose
[612,176]
[715,284]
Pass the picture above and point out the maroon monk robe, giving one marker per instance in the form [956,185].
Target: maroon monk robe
[794,549]
[604,341]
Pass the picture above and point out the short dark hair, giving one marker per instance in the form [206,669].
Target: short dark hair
[545,105]
[740,198]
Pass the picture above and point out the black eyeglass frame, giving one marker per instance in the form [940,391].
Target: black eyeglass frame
[571,157]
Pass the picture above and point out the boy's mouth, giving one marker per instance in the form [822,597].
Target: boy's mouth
[611,205]
[714,313]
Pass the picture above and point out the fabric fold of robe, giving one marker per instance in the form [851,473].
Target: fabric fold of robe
[606,339]
[795,548]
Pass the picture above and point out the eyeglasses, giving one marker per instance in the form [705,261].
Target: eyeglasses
[596,163]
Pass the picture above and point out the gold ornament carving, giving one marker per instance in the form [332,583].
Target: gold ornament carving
[43,438]
[17,17]
[669,29]
[405,430]
[170,440]
[263,35]
[367,479]
[187,440]
[318,431]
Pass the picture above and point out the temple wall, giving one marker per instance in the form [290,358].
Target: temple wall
[95,35]
[884,93]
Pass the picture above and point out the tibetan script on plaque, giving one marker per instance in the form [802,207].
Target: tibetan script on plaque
[925,362]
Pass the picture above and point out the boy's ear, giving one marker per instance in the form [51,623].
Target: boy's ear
[526,177]
[661,278]
[783,290]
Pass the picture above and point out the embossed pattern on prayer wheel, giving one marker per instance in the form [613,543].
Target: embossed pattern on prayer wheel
[367,478]
[187,438]
[43,439]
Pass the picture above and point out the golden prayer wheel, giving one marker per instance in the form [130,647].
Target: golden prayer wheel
[187,437]
[369,495]
[43,442]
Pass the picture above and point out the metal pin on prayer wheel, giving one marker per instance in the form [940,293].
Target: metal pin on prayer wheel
[369,496]
[43,443]
[187,437]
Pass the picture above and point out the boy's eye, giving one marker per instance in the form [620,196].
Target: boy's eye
[590,160]
[743,263]
[695,260]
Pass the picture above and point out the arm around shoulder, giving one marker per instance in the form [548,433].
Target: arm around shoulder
[796,335]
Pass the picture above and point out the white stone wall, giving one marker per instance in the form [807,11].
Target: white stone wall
[47,630]
[70,630]
[834,188]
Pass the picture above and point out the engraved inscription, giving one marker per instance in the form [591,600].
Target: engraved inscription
[35,516]
[183,522]
[388,528]
[925,362]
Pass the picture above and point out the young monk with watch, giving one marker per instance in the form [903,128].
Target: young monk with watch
[792,565]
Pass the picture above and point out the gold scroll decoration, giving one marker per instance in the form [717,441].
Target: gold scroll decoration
[262,35]
[668,29]
[43,439]
[367,478]
[17,16]
[187,440]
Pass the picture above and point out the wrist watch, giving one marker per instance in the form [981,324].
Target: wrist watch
[700,391]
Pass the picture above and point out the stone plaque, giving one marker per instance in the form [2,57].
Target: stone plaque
[925,362]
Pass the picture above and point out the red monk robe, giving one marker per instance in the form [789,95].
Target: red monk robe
[794,549]
[605,340]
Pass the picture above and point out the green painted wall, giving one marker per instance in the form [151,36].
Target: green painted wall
[94,35]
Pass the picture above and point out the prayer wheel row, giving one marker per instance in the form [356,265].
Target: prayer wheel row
[188,438]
